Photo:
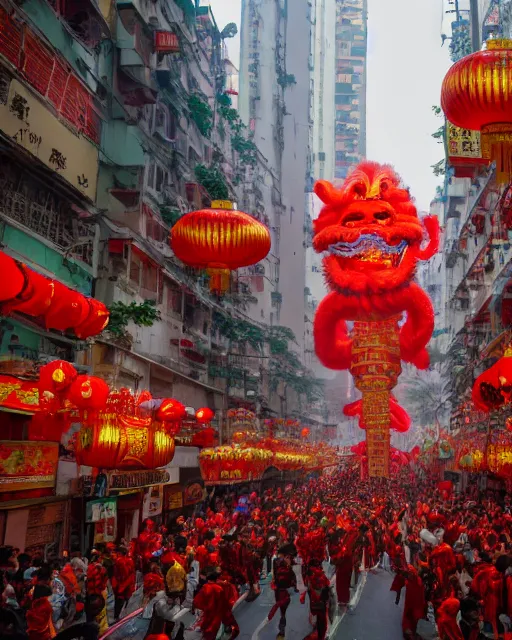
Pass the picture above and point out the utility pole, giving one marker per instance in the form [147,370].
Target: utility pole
[475,25]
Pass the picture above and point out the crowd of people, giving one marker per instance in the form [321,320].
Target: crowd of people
[449,554]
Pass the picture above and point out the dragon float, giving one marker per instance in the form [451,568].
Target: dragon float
[372,238]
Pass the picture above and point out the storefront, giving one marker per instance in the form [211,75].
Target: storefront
[32,519]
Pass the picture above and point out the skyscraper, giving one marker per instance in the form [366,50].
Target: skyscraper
[276,103]
[350,98]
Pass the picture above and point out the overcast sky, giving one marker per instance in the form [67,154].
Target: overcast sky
[406,65]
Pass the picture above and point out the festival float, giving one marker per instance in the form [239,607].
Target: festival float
[252,453]
[372,237]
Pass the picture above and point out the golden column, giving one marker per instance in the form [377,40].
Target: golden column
[375,367]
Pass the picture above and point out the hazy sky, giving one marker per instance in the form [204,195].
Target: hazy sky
[406,65]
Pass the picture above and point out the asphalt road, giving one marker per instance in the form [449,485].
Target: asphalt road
[376,616]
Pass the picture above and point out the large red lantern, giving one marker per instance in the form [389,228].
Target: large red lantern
[493,387]
[219,240]
[477,94]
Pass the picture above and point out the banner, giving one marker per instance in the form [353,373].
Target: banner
[28,465]
[103,513]
[153,502]
[193,494]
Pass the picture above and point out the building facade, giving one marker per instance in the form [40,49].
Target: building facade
[115,120]
[350,97]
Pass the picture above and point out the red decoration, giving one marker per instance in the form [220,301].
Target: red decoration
[56,376]
[88,392]
[372,235]
[493,387]
[399,418]
[37,296]
[96,320]
[23,290]
[477,94]
[171,411]
[219,240]
[304,433]
[204,415]
[13,279]
[68,308]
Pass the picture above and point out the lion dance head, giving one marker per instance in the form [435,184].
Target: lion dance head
[370,231]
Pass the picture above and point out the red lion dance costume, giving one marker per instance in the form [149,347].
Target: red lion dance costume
[372,237]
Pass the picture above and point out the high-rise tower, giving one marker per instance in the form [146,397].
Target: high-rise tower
[350,98]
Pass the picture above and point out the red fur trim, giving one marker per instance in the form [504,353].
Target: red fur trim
[400,420]
[432,226]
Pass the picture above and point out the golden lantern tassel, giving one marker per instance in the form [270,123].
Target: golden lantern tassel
[219,279]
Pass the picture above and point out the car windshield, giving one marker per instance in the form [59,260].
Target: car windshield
[133,627]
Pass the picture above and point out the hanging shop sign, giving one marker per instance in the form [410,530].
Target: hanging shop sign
[464,150]
[18,395]
[139,479]
[153,502]
[174,500]
[31,125]
[193,494]
[166,42]
[27,465]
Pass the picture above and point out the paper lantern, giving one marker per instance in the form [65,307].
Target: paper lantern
[477,94]
[13,279]
[68,308]
[304,433]
[56,376]
[493,388]
[37,296]
[171,411]
[95,321]
[204,415]
[219,240]
[88,392]
[99,442]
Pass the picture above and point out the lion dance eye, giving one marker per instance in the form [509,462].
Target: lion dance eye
[352,218]
[382,216]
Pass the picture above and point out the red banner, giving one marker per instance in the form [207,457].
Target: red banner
[166,42]
[27,465]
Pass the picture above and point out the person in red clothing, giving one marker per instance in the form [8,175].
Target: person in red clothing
[39,616]
[318,591]
[212,602]
[97,579]
[400,568]
[123,580]
[341,551]
[284,579]
[414,606]
[447,626]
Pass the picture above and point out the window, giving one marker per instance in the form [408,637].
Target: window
[173,301]
[150,278]
[342,99]
[135,269]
